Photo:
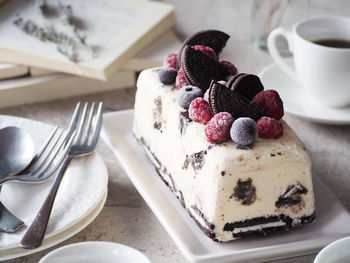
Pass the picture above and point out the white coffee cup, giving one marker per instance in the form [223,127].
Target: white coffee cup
[324,72]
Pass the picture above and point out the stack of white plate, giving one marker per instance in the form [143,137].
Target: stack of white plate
[80,199]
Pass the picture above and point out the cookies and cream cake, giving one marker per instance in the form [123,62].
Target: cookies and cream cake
[216,138]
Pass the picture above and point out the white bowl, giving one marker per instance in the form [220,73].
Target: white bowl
[336,252]
[95,252]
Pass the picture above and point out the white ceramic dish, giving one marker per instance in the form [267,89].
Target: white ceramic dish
[79,199]
[95,252]
[336,252]
[332,217]
[297,102]
[59,237]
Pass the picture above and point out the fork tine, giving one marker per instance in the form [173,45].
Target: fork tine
[88,125]
[96,132]
[81,124]
[53,166]
[53,153]
[43,147]
[39,170]
[74,120]
[45,155]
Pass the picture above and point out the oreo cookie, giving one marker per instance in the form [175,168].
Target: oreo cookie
[214,39]
[255,112]
[200,69]
[222,99]
[248,85]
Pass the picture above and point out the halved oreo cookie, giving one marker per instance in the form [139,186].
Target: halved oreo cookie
[248,85]
[255,112]
[233,78]
[222,99]
[211,38]
[200,69]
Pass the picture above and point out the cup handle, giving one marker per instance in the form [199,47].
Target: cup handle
[271,45]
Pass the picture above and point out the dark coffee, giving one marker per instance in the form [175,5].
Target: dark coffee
[333,42]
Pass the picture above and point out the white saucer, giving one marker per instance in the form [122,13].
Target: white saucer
[330,224]
[95,252]
[297,102]
[80,198]
[336,252]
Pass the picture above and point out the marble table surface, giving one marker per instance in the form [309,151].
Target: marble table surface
[126,218]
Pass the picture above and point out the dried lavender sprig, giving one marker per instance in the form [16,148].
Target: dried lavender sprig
[18,20]
[67,12]
[68,17]
[79,35]
[29,27]
[43,6]
[65,44]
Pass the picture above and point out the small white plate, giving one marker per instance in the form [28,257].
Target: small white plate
[95,252]
[82,190]
[297,102]
[336,252]
[329,225]
[59,237]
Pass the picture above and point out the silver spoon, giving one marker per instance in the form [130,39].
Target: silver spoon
[16,152]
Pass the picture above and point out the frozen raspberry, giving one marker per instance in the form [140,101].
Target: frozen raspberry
[167,76]
[186,94]
[271,102]
[269,128]
[244,131]
[199,111]
[229,66]
[180,80]
[170,61]
[218,128]
[206,95]
[206,50]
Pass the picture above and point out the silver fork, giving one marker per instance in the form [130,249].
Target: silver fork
[43,165]
[84,143]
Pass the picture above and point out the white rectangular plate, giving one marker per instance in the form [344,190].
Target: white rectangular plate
[331,223]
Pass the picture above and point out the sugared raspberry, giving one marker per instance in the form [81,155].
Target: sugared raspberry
[206,50]
[269,128]
[271,102]
[229,66]
[218,128]
[199,111]
[170,61]
[206,95]
[180,80]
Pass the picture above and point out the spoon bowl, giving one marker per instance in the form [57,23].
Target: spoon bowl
[16,150]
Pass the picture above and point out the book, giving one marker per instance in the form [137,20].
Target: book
[43,84]
[57,86]
[117,30]
[12,70]
[151,56]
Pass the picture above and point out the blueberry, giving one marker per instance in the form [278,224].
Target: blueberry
[186,94]
[244,131]
[167,76]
